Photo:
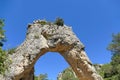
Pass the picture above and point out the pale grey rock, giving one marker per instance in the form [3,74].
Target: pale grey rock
[44,38]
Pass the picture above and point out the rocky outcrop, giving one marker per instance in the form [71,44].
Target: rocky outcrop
[42,38]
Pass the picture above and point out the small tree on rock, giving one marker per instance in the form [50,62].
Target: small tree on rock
[59,22]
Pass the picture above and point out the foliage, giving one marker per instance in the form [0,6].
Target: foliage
[2,36]
[42,22]
[67,74]
[4,60]
[11,51]
[41,77]
[105,70]
[3,55]
[111,71]
[59,22]
[114,47]
[115,59]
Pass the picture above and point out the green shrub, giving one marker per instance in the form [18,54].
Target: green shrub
[42,22]
[67,74]
[3,57]
[59,22]
[2,36]
[41,77]
[5,61]
[11,51]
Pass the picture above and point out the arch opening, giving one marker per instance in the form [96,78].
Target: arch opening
[51,63]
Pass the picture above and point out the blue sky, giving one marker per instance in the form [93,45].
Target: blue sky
[93,21]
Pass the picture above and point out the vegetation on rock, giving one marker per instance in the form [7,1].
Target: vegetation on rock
[67,74]
[11,51]
[42,22]
[59,22]
[41,77]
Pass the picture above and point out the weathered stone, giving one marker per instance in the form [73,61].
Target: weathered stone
[44,38]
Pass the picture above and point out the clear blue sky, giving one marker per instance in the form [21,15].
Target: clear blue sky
[93,21]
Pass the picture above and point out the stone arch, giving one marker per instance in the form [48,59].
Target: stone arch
[50,37]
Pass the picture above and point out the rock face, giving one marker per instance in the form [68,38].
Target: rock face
[49,38]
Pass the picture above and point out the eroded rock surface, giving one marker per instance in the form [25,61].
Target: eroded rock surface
[44,38]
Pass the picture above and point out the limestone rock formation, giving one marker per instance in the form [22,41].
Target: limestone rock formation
[42,38]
